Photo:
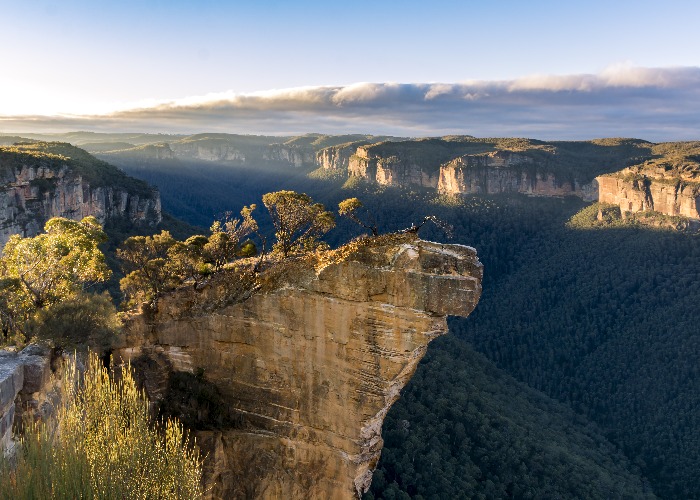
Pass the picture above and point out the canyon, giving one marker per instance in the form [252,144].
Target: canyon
[307,368]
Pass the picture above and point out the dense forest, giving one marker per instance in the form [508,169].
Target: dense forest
[600,320]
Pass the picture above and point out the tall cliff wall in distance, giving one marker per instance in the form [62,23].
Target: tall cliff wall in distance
[295,156]
[337,158]
[495,172]
[506,172]
[309,369]
[394,170]
[633,192]
[35,188]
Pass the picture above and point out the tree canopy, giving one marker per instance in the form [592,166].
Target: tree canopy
[298,221]
[39,272]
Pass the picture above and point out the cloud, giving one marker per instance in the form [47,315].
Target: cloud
[649,103]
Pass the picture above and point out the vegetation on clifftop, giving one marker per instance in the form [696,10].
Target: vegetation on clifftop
[56,155]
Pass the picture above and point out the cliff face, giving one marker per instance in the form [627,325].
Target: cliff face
[26,385]
[31,194]
[296,156]
[308,370]
[336,157]
[505,172]
[494,173]
[639,193]
[391,170]
[209,150]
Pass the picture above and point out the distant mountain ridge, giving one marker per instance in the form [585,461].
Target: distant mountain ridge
[634,174]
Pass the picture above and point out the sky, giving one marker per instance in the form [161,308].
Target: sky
[544,69]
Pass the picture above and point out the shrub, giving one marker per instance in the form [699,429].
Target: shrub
[102,445]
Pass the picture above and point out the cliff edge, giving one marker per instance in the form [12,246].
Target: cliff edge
[43,180]
[309,367]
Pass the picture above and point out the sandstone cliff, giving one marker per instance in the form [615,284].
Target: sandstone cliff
[463,166]
[26,385]
[393,170]
[668,182]
[36,185]
[208,150]
[636,193]
[308,368]
[506,172]
[294,155]
[337,158]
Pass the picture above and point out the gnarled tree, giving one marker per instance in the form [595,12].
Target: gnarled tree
[298,221]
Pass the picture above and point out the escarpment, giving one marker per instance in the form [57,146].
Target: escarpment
[664,190]
[37,184]
[305,370]
[468,167]
[506,172]
[337,158]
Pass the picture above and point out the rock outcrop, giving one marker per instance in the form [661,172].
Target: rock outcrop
[32,192]
[495,172]
[309,369]
[337,158]
[391,170]
[637,193]
[506,172]
[25,385]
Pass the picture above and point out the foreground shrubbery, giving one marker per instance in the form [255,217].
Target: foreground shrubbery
[102,445]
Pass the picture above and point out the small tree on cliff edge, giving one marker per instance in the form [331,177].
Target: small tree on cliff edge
[298,221]
[351,207]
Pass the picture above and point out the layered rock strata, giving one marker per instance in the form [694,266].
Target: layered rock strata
[505,172]
[309,369]
[30,195]
[638,193]
[298,157]
[210,150]
[493,173]
[391,170]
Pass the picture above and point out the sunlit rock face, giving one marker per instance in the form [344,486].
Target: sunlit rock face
[31,195]
[336,158]
[391,170]
[505,172]
[636,193]
[309,370]
[494,173]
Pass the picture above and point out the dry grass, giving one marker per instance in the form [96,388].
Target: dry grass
[102,445]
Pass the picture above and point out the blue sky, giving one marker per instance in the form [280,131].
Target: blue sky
[94,57]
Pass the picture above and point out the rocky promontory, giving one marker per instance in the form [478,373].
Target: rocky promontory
[308,368]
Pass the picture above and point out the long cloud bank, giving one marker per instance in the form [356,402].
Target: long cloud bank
[650,103]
